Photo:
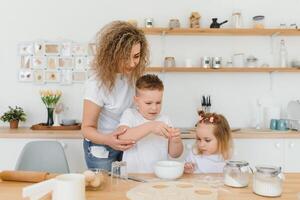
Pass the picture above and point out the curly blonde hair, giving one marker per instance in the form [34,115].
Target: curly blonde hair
[114,43]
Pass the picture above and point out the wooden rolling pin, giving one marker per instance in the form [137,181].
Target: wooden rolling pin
[26,176]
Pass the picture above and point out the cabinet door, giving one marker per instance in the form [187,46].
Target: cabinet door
[292,150]
[260,151]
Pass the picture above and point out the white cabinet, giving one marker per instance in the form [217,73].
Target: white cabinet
[11,149]
[292,151]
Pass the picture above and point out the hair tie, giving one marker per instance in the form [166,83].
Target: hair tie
[211,119]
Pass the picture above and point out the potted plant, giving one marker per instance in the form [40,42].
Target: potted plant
[13,116]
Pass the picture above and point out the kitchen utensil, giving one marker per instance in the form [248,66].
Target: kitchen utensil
[133,178]
[251,61]
[282,125]
[119,169]
[273,124]
[168,169]
[258,21]
[25,176]
[237,21]
[215,24]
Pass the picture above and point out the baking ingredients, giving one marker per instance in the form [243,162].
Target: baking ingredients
[236,173]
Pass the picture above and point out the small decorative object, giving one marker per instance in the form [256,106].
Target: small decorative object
[216,62]
[206,62]
[52,76]
[149,22]
[169,62]
[237,21]
[215,24]
[39,76]
[258,21]
[57,110]
[13,116]
[195,20]
[174,23]
[50,99]
[25,75]
[52,48]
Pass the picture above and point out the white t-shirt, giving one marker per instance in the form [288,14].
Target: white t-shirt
[206,163]
[112,103]
[142,157]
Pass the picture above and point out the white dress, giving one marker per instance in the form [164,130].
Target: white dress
[142,157]
[206,163]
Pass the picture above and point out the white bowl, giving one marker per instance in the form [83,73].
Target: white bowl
[168,169]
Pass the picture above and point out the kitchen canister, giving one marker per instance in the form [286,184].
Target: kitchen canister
[169,62]
[236,173]
[267,181]
[216,62]
[174,23]
[149,22]
[206,62]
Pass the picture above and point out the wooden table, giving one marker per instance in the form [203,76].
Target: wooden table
[117,191]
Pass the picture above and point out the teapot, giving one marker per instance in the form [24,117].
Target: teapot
[215,24]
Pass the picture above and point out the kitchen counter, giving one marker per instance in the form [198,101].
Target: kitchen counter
[76,134]
[13,190]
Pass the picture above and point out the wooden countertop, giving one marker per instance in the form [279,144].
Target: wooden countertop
[117,191]
[27,133]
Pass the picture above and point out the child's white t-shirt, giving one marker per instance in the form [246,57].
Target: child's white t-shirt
[152,148]
[206,163]
[112,103]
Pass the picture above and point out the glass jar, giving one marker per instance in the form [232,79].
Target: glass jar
[237,19]
[258,21]
[236,173]
[267,181]
[251,61]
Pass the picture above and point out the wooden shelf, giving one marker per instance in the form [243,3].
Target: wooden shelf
[222,31]
[223,69]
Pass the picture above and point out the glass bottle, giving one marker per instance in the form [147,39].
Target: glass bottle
[283,59]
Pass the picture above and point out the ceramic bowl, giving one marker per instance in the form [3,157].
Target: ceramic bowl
[168,169]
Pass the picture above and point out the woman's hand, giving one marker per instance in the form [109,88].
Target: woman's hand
[114,142]
[189,167]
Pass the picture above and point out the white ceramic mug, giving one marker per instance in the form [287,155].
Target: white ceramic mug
[65,186]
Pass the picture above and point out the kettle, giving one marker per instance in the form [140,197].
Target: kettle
[215,24]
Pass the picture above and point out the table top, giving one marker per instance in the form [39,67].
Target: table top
[117,190]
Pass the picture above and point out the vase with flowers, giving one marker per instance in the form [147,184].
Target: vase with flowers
[50,99]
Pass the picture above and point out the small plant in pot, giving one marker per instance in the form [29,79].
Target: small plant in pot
[13,116]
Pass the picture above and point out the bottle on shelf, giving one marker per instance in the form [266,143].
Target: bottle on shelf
[283,54]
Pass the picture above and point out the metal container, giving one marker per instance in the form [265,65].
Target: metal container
[216,62]
[206,62]
[149,22]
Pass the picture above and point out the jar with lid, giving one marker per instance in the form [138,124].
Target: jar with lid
[251,61]
[237,21]
[258,21]
[267,181]
[237,173]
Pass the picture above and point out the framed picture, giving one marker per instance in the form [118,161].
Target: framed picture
[79,49]
[25,49]
[38,62]
[91,49]
[80,62]
[65,62]
[52,76]
[66,49]
[39,48]
[52,62]
[39,76]
[25,62]
[52,49]
[79,76]
[25,75]
[66,76]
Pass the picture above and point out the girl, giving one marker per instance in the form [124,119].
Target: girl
[212,147]
[121,57]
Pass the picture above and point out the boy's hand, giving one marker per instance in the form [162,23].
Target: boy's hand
[160,128]
[189,167]
[174,134]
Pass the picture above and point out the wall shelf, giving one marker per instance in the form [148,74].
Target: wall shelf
[222,31]
[223,69]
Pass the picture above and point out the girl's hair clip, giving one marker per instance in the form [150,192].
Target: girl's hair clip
[211,119]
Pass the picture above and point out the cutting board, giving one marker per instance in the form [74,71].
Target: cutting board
[173,190]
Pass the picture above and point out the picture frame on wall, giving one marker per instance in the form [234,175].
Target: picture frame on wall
[39,48]
[66,76]
[39,76]
[79,76]
[52,48]
[65,62]
[25,62]
[38,62]
[80,62]
[79,49]
[52,62]
[25,75]
[52,76]
[25,49]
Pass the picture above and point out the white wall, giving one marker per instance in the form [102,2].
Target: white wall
[233,94]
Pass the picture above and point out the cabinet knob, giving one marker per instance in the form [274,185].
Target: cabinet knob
[277,145]
[292,144]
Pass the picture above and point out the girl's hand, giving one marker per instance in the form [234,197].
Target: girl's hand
[114,142]
[160,128]
[189,167]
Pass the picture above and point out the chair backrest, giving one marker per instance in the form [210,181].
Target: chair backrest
[46,156]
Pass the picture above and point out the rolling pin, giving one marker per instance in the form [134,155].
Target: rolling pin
[25,176]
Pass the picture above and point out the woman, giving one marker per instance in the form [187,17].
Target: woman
[121,56]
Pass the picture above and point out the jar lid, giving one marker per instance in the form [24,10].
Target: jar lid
[237,163]
[258,17]
[268,170]
[251,59]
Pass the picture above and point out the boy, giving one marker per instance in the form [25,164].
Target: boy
[155,138]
